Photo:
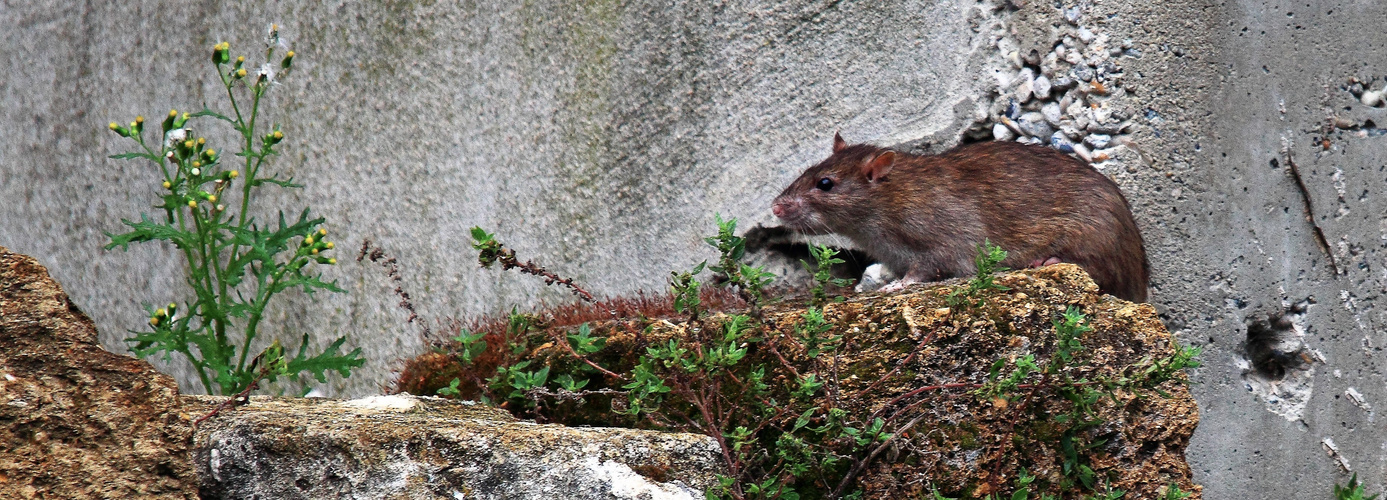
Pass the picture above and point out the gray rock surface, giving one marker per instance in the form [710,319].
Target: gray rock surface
[599,139]
[403,446]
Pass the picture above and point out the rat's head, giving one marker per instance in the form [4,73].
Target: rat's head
[831,196]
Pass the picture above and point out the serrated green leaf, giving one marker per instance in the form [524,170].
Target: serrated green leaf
[307,282]
[148,230]
[329,359]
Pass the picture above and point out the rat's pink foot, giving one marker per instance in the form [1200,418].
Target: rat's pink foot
[1046,262]
[898,285]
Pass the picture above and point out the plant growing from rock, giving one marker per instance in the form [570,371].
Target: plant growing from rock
[1056,376]
[749,281]
[235,264]
[988,262]
[1354,491]
[789,398]
[824,260]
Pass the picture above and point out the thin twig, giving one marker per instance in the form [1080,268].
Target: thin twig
[784,362]
[508,261]
[862,464]
[926,341]
[241,398]
[1310,211]
[1011,428]
[574,353]
[392,269]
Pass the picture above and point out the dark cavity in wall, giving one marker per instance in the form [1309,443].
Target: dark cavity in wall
[1274,346]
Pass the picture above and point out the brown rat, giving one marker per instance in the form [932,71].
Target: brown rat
[924,216]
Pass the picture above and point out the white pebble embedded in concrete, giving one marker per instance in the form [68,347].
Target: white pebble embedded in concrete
[1033,124]
[1051,112]
[1372,98]
[1098,141]
[1041,87]
[1000,132]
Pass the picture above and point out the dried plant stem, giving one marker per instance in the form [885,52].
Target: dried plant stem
[508,261]
[392,269]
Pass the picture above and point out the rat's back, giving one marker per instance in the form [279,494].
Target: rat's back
[1041,204]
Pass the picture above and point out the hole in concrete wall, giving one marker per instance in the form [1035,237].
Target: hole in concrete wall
[1273,346]
[1277,365]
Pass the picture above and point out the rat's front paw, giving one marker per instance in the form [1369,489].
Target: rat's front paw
[898,285]
[1042,263]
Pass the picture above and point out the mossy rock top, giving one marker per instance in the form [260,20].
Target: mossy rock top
[916,361]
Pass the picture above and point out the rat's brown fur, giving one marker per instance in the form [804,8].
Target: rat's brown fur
[924,216]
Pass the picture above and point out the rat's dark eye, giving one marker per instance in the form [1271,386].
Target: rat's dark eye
[825,184]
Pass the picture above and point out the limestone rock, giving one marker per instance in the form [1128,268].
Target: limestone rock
[405,446]
[77,421]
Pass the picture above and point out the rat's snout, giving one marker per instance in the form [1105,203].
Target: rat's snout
[784,208]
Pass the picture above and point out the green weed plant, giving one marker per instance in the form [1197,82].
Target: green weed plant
[235,264]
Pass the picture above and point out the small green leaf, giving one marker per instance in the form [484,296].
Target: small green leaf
[128,156]
[213,114]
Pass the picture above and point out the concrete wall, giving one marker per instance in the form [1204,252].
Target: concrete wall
[600,137]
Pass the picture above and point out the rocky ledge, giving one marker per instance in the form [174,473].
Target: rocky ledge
[77,421]
[411,447]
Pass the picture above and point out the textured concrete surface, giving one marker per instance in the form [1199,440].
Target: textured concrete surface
[1230,89]
[599,138]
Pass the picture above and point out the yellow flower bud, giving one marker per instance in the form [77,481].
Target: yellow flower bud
[241,73]
[322,232]
[211,152]
[328,245]
[192,203]
[167,184]
[332,261]
[308,241]
[240,59]
[201,141]
[278,135]
[114,126]
[154,321]
[188,144]
[172,306]
[161,313]
[212,198]
[313,251]
[233,174]
[139,119]
[197,164]
[173,113]
[289,54]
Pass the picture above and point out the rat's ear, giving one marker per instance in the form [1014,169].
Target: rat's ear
[878,167]
[838,143]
